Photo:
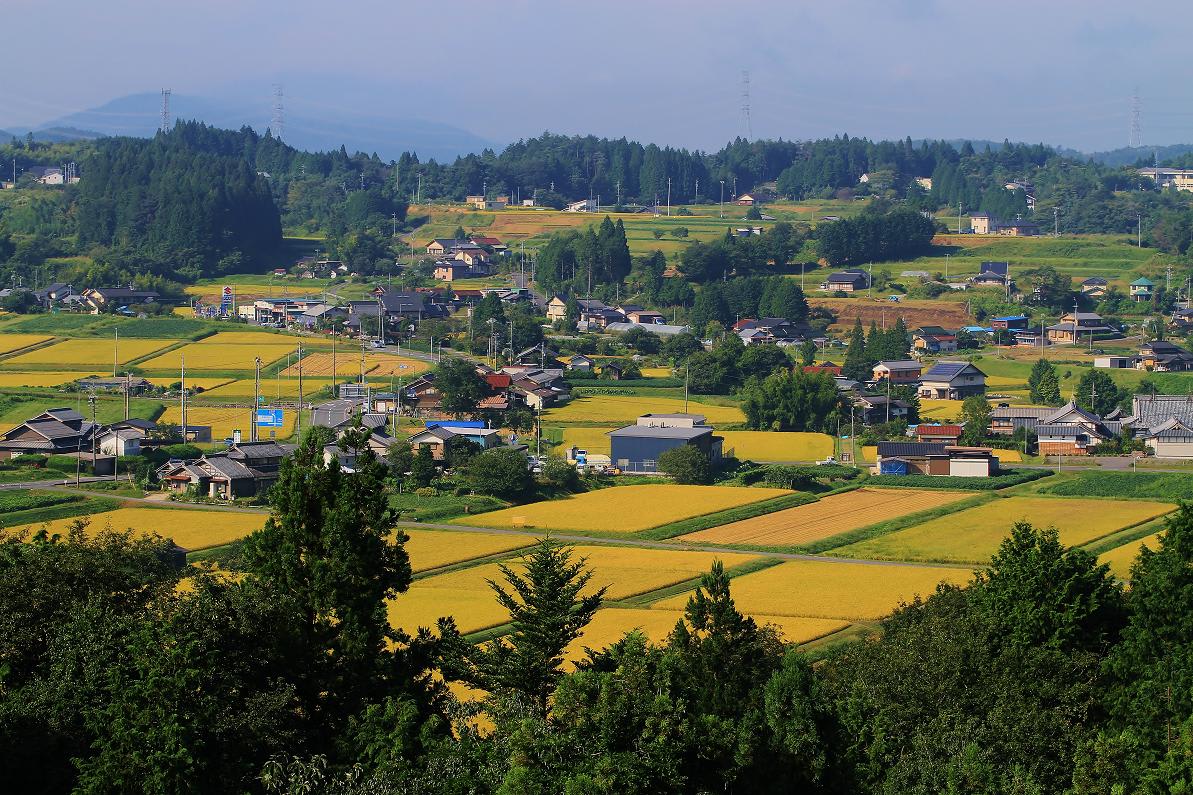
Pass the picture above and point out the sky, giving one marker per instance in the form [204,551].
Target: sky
[1060,72]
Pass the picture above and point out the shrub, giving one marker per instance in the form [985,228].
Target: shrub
[64,463]
[30,460]
[686,464]
[425,491]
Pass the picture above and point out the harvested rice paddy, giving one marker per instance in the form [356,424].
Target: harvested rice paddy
[614,409]
[189,529]
[624,509]
[837,513]
[841,591]
[466,595]
[973,535]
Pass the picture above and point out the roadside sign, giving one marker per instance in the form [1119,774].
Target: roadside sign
[236,437]
[269,418]
[227,298]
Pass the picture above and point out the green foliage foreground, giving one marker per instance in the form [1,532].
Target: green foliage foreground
[1043,675]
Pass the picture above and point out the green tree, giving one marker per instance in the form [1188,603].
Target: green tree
[807,353]
[791,401]
[686,464]
[422,467]
[1096,392]
[975,413]
[858,365]
[548,610]
[460,387]
[500,473]
[762,360]
[1043,384]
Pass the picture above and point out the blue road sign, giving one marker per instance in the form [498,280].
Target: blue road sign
[269,418]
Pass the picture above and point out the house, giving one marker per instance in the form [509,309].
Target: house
[134,385]
[1075,325]
[637,447]
[557,308]
[980,223]
[1029,191]
[1142,289]
[1164,357]
[1182,319]
[944,434]
[346,456]
[57,291]
[585,206]
[1165,178]
[828,368]
[471,254]
[879,409]
[933,339]
[483,203]
[282,311]
[1095,287]
[47,175]
[1163,422]
[643,317]
[451,270]
[100,299]
[321,316]
[612,371]
[54,431]
[437,434]
[992,273]
[1009,323]
[749,199]
[947,380]
[1071,430]
[1018,229]
[580,363]
[1005,420]
[661,329]
[1114,362]
[442,246]
[244,470]
[486,241]
[901,371]
[934,458]
[847,281]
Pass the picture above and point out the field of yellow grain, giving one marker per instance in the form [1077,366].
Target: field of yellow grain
[778,446]
[592,440]
[611,625]
[192,382]
[225,420]
[940,409]
[347,362]
[656,372]
[189,529]
[259,338]
[14,342]
[973,535]
[465,594]
[431,549]
[43,378]
[1120,559]
[207,356]
[271,388]
[842,591]
[95,352]
[624,509]
[613,409]
[837,513]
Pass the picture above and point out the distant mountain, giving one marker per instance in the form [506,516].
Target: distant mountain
[388,136]
[53,135]
[1127,155]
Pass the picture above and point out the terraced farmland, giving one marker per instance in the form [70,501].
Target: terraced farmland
[14,342]
[624,509]
[973,535]
[837,513]
[347,362]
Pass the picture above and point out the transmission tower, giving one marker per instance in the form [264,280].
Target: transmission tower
[278,122]
[165,110]
[745,102]
[1135,134]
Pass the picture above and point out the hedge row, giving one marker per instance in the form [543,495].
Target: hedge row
[1009,477]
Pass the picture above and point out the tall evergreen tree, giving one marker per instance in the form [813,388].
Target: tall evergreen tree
[857,364]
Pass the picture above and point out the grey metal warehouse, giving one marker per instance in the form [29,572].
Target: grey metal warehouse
[636,448]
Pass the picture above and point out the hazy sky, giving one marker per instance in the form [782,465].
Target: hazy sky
[1058,71]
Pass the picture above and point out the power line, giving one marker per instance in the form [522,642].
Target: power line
[165,110]
[278,122]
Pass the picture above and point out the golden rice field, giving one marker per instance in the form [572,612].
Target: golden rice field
[225,420]
[624,509]
[465,594]
[191,382]
[258,338]
[611,624]
[973,535]
[593,440]
[270,387]
[617,409]
[432,549]
[940,409]
[841,591]
[656,372]
[189,529]
[778,445]
[205,356]
[347,362]
[14,342]
[1120,559]
[837,513]
[43,378]
[184,311]
[91,352]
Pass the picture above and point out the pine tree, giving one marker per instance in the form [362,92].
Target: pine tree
[875,344]
[857,365]
[422,468]
[897,342]
[547,612]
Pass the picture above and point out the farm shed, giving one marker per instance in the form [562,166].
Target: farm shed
[637,447]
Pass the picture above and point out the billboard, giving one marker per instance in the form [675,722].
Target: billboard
[269,418]
[227,298]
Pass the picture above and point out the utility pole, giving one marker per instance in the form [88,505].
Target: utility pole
[1138,230]
[958,217]
[256,398]
[298,417]
[91,400]
[182,378]
[128,379]
[1056,222]
[722,198]
[668,197]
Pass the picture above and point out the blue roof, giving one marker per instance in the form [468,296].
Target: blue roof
[973,329]
[1012,317]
